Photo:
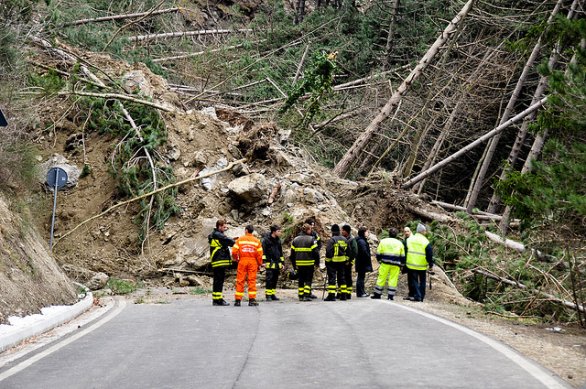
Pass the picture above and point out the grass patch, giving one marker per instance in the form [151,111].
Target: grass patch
[120,287]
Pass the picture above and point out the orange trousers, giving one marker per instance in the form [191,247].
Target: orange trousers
[246,267]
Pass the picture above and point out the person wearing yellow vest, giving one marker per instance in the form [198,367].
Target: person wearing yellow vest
[247,251]
[419,259]
[390,253]
[220,258]
[336,257]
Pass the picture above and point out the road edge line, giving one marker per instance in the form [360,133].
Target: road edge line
[542,374]
[120,305]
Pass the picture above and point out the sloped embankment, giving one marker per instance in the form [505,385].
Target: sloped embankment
[29,276]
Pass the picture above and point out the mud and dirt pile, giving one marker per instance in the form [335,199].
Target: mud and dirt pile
[274,183]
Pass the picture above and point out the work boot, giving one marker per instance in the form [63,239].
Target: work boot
[220,303]
[391,297]
[306,298]
[375,296]
[275,298]
[343,297]
[252,303]
[312,296]
[348,296]
[338,296]
[268,298]
[237,303]
[331,297]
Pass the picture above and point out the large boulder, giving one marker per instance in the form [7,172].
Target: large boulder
[249,189]
[57,160]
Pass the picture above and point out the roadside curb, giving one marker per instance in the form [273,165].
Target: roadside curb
[23,328]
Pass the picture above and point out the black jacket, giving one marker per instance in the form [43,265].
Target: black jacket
[220,248]
[363,258]
[304,251]
[272,251]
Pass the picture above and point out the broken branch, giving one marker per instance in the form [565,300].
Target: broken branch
[147,195]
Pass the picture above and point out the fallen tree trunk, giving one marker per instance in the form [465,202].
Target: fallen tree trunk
[118,96]
[517,284]
[472,145]
[476,214]
[113,207]
[518,246]
[121,16]
[353,153]
[430,214]
[180,34]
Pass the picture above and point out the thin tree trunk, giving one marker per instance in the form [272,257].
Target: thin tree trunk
[300,12]
[550,297]
[391,32]
[360,144]
[491,147]
[122,16]
[472,145]
[539,140]
[300,65]
[181,34]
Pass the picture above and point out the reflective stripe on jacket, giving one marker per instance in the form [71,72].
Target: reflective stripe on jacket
[336,249]
[247,247]
[416,246]
[219,248]
[391,251]
[304,251]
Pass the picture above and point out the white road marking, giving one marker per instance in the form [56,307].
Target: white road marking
[23,365]
[530,367]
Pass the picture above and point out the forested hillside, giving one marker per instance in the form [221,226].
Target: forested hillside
[477,107]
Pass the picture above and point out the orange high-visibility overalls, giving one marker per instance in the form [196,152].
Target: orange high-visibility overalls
[248,252]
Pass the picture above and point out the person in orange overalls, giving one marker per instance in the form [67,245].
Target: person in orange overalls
[247,251]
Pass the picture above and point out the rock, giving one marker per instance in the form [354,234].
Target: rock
[135,81]
[194,280]
[73,172]
[312,196]
[250,189]
[284,136]
[74,141]
[240,170]
[209,182]
[199,160]
[174,154]
[210,111]
[98,281]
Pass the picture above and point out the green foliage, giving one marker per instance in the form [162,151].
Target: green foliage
[51,82]
[553,195]
[131,166]
[120,287]
[317,82]
[199,291]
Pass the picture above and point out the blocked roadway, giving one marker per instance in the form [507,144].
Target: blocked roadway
[190,344]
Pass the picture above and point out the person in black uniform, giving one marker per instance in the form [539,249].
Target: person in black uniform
[273,260]
[221,259]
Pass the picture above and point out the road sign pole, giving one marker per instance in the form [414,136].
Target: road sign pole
[55,187]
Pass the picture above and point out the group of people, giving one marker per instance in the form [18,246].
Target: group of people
[343,253]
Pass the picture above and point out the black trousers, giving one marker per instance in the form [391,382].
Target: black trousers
[360,283]
[218,284]
[272,276]
[417,280]
[335,273]
[348,277]
[305,279]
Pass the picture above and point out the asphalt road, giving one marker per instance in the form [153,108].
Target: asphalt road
[190,344]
